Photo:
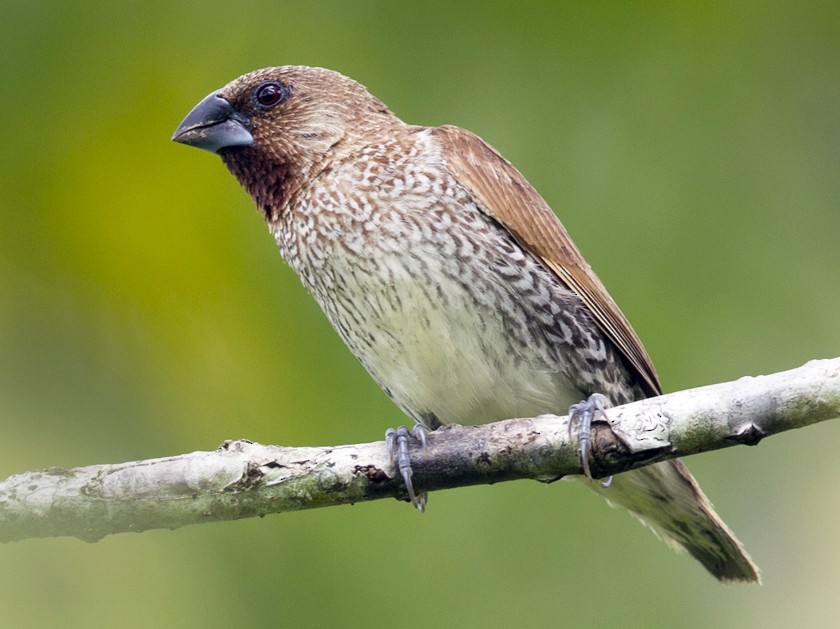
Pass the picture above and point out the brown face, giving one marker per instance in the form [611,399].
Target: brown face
[287,123]
[276,125]
[289,111]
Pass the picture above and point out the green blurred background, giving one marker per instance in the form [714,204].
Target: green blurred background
[693,152]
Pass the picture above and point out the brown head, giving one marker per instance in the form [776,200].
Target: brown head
[276,127]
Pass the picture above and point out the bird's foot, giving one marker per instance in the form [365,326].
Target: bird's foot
[583,413]
[397,442]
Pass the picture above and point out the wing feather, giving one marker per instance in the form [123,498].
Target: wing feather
[501,191]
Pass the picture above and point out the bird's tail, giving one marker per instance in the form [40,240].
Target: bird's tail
[666,497]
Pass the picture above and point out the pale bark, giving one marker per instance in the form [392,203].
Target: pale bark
[244,479]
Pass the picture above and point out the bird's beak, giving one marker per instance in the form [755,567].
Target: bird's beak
[214,124]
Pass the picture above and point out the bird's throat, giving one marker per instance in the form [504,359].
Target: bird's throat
[270,183]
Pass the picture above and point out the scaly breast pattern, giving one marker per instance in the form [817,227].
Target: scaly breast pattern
[454,320]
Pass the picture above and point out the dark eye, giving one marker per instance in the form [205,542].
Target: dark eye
[270,94]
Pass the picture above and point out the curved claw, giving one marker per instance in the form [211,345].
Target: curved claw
[419,433]
[397,442]
[583,413]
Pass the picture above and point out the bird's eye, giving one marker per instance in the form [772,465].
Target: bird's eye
[270,94]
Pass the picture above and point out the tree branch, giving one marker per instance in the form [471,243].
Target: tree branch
[244,479]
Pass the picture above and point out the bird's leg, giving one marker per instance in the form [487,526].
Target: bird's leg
[397,442]
[583,413]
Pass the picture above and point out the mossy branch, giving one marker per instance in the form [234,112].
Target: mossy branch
[243,479]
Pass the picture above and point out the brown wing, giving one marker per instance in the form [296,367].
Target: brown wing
[504,194]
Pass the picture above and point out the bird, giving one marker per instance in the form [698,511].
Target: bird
[446,274]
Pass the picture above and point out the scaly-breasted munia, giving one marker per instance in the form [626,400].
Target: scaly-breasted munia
[445,273]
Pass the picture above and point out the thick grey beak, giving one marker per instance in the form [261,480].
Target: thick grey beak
[214,124]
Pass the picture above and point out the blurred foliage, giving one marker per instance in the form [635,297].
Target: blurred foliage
[692,150]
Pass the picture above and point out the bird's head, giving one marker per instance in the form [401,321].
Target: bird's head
[278,126]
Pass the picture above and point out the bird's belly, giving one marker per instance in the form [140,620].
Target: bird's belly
[459,365]
[450,344]
[448,313]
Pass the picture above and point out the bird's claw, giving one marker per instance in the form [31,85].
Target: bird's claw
[583,413]
[397,442]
